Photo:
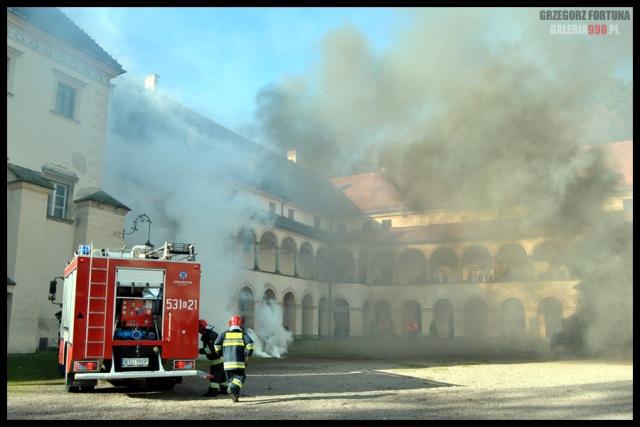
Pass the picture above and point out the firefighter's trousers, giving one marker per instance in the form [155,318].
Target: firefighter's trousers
[235,380]
[217,382]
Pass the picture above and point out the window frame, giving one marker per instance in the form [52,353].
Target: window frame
[59,178]
[62,78]
[272,207]
[52,200]
[12,56]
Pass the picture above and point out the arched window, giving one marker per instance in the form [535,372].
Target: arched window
[511,264]
[476,319]
[444,266]
[442,324]
[411,267]
[267,249]
[287,257]
[246,306]
[343,266]
[305,261]
[341,317]
[289,312]
[476,264]
[512,318]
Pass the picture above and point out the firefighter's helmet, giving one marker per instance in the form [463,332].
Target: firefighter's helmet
[235,321]
[201,325]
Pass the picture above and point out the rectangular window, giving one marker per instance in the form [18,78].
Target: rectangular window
[366,225]
[57,202]
[66,100]
[290,214]
[12,55]
[272,207]
[342,226]
[386,223]
[316,221]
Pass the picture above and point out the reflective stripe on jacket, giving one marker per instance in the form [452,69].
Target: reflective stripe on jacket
[236,345]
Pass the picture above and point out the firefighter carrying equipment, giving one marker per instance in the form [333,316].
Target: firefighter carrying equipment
[235,345]
[216,370]
[201,325]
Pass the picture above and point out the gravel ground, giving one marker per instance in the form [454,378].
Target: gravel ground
[302,388]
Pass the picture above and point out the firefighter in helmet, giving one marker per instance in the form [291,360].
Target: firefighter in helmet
[217,378]
[236,346]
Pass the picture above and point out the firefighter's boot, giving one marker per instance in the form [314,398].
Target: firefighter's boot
[212,391]
[234,392]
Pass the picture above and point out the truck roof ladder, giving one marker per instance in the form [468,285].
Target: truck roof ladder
[95,334]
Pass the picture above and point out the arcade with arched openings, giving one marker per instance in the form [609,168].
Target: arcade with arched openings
[341,318]
[476,264]
[267,252]
[323,317]
[246,306]
[442,324]
[411,267]
[381,268]
[289,312]
[512,318]
[549,317]
[476,319]
[411,313]
[307,315]
[383,324]
[305,261]
[444,266]
[344,267]
[512,264]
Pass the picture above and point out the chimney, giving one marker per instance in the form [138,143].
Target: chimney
[151,82]
[291,155]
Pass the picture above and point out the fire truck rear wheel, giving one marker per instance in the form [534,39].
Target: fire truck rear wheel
[69,384]
[87,388]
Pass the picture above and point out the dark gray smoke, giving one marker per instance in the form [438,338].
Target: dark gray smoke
[459,117]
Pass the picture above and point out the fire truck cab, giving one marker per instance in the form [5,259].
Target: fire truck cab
[130,317]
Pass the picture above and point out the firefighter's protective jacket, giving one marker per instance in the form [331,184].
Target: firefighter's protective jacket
[235,346]
[208,339]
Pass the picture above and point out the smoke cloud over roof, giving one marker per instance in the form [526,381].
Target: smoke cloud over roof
[457,116]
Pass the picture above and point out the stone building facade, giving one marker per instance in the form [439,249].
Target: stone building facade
[58,87]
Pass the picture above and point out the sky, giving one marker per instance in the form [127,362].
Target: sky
[216,60]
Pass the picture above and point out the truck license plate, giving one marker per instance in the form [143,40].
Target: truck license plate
[135,362]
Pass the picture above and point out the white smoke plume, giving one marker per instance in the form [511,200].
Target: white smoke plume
[270,338]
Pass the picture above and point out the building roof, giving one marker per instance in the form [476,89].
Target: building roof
[56,23]
[370,192]
[245,161]
[103,198]
[621,155]
[30,176]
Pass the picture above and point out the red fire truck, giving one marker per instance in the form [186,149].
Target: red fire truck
[130,317]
